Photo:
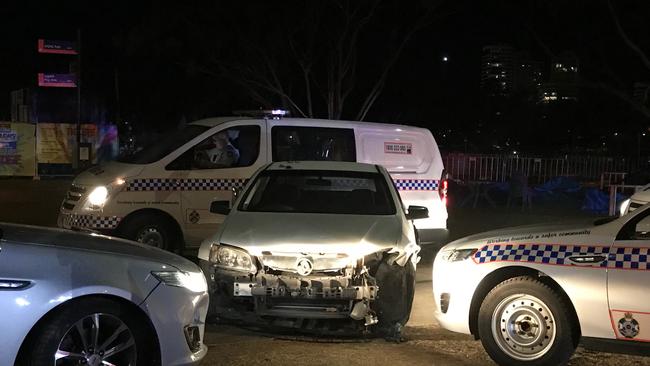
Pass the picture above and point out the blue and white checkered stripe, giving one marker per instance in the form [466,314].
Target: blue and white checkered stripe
[94,222]
[416,184]
[629,258]
[191,184]
[537,253]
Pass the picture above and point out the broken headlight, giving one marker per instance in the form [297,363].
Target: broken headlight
[231,258]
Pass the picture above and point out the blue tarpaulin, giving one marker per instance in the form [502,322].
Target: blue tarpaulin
[559,185]
[597,201]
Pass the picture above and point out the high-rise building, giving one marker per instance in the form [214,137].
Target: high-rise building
[528,74]
[563,80]
[497,70]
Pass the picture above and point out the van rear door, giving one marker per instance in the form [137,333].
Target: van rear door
[413,160]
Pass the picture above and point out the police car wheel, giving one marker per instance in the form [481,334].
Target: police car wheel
[522,321]
[149,229]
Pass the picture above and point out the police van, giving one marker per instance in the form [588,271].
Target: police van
[162,194]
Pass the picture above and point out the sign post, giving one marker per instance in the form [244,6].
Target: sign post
[70,80]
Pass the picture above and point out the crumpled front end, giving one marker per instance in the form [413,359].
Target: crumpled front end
[297,287]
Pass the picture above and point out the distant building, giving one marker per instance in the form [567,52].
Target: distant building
[21,106]
[505,71]
[528,75]
[497,70]
[563,80]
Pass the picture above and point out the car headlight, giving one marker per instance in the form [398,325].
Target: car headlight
[231,258]
[98,196]
[624,206]
[457,255]
[193,281]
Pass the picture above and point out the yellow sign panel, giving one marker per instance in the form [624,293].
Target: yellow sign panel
[56,141]
[17,146]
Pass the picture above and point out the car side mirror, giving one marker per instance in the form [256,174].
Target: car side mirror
[643,229]
[220,207]
[417,212]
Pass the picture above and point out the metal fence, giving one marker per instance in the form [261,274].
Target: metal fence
[499,168]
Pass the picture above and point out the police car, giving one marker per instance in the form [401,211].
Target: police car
[530,294]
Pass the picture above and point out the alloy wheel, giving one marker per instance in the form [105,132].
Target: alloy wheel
[97,339]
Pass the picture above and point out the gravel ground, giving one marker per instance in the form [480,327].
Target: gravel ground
[36,202]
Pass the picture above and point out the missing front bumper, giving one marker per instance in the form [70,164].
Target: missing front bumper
[294,297]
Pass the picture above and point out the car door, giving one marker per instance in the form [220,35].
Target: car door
[629,280]
[223,161]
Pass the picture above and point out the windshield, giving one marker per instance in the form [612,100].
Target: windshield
[163,146]
[310,191]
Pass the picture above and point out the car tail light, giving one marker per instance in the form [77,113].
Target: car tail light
[442,188]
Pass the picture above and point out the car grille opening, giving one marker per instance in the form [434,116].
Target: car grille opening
[74,194]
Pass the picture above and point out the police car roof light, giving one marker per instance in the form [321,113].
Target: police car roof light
[264,113]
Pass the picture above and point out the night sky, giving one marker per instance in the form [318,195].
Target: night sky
[161,52]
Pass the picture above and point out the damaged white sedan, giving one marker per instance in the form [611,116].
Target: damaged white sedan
[318,246]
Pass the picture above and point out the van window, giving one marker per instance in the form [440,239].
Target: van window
[163,146]
[313,143]
[230,148]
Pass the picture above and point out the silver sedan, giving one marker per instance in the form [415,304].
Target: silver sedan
[69,298]
[318,246]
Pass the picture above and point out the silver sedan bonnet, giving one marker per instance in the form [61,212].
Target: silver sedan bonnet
[91,242]
[283,233]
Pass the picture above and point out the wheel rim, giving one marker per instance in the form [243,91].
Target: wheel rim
[97,339]
[151,236]
[523,327]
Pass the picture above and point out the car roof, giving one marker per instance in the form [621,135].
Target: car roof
[211,122]
[215,121]
[323,165]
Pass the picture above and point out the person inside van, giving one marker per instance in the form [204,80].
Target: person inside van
[221,153]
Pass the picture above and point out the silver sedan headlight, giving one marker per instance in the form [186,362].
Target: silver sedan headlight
[231,258]
[457,255]
[193,281]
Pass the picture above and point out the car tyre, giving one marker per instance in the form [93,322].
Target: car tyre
[90,331]
[151,229]
[395,297]
[523,321]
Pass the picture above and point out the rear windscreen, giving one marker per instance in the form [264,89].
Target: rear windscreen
[310,191]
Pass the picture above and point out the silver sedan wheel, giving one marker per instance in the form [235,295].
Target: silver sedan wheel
[151,236]
[97,339]
[523,327]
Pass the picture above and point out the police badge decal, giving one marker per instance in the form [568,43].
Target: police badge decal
[628,326]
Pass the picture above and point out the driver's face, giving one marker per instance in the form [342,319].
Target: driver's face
[219,141]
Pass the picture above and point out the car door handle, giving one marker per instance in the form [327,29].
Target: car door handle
[587,259]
